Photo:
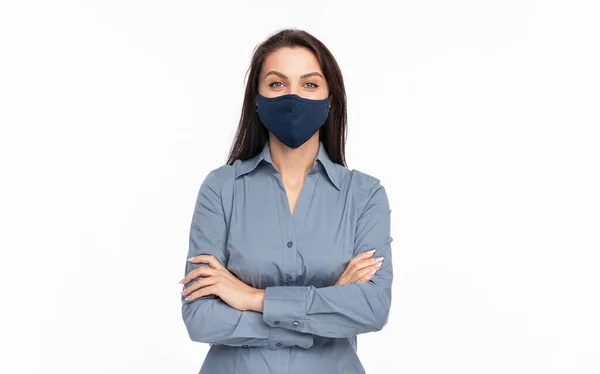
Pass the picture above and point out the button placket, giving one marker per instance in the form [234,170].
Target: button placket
[288,235]
[289,250]
[290,254]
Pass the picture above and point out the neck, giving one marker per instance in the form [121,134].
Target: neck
[294,163]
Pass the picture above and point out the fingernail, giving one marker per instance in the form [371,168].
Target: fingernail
[189,259]
[372,250]
[380,259]
[373,272]
[187,298]
[181,281]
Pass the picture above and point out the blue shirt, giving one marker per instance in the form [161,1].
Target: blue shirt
[308,325]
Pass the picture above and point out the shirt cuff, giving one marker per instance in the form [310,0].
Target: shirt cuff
[288,338]
[285,306]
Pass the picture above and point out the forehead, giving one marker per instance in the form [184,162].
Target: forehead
[292,62]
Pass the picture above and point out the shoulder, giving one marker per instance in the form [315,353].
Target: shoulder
[218,176]
[224,173]
[366,189]
[362,182]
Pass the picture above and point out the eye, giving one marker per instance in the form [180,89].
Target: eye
[271,84]
[314,85]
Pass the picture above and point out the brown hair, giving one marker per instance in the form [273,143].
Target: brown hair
[251,135]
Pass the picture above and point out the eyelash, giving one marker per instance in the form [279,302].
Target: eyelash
[272,83]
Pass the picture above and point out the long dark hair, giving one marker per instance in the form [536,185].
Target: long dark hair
[251,135]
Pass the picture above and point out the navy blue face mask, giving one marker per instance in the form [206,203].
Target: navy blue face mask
[291,118]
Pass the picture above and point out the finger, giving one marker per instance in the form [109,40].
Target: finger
[204,291]
[341,279]
[366,277]
[355,264]
[203,271]
[207,259]
[361,256]
[204,282]
[366,254]
[368,271]
[366,263]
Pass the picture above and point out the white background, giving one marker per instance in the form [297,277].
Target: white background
[481,118]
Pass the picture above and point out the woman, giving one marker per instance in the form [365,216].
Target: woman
[281,275]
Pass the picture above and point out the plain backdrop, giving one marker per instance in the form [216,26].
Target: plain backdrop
[481,119]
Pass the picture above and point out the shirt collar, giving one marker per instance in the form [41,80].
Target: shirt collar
[333,172]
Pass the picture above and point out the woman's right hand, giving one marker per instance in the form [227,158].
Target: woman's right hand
[360,268]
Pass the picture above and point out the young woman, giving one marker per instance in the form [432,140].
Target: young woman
[282,275]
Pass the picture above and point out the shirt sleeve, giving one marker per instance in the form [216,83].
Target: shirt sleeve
[209,319]
[348,309]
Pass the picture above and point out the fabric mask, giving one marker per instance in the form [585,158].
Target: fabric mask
[291,118]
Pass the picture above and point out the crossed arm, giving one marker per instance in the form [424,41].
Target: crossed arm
[292,315]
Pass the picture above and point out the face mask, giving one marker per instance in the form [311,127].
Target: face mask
[291,118]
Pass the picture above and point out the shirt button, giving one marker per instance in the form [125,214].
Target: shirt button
[290,244]
[295,323]
[276,322]
[278,344]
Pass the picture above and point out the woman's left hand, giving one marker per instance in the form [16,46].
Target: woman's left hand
[217,280]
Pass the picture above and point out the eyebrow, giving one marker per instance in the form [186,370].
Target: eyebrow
[275,72]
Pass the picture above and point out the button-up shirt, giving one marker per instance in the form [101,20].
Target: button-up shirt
[308,324]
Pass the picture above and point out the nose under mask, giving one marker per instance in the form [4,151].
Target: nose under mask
[292,119]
